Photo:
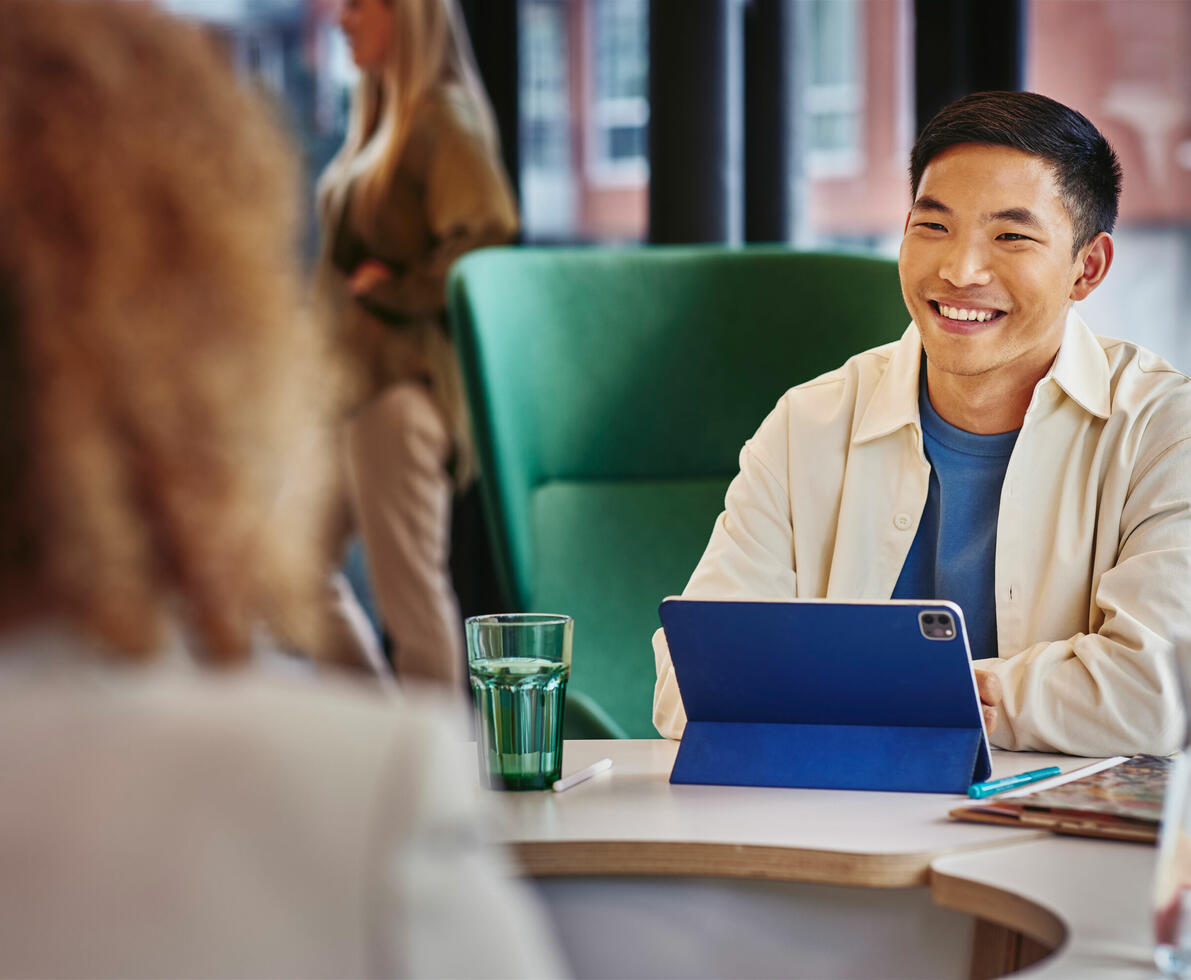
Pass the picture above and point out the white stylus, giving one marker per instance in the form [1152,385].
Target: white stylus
[575,778]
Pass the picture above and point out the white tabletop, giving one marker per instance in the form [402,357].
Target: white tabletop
[631,820]
[1090,898]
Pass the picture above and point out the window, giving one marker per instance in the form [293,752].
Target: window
[584,117]
[547,182]
[834,97]
[1127,67]
[620,108]
[855,110]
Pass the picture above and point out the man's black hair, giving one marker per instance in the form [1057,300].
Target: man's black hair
[1085,167]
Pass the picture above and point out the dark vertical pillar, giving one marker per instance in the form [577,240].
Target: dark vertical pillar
[965,46]
[768,121]
[694,121]
[493,26]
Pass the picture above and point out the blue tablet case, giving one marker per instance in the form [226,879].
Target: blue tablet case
[827,695]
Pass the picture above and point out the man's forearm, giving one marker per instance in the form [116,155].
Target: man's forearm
[1089,696]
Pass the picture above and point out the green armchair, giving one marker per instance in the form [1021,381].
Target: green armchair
[611,391]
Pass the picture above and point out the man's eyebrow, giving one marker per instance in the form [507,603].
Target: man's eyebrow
[1017,216]
[928,203]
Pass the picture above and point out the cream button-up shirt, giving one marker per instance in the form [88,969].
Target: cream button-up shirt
[1093,560]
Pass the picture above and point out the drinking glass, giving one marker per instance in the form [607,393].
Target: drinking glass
[1172,874]
[518,664]
[1172,877]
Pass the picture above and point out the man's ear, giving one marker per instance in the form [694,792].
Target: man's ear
[906,226]
[1097,257]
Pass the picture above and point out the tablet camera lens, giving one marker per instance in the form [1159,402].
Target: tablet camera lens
[936,625]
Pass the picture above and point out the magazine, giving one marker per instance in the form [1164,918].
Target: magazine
[1120,803]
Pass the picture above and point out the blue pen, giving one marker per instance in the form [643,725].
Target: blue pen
[980,790]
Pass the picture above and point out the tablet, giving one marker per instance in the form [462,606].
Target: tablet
[826,694]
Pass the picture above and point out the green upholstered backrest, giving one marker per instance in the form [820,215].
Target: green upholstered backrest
[611,391]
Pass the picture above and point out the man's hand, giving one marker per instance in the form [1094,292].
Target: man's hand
[989,687]
[366,275]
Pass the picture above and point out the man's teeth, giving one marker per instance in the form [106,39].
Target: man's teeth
[955,313]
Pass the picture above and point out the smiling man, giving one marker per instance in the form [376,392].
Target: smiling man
[999,455]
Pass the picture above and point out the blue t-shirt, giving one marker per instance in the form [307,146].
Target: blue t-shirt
[953,555]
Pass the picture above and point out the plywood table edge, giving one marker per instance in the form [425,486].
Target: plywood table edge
[716,860]
[999,905]
[709,859]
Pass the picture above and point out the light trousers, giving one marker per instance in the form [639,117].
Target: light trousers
[396,450]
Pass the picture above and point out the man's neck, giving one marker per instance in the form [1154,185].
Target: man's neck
[983,404]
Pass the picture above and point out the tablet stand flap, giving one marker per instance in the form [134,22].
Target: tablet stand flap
[897,759]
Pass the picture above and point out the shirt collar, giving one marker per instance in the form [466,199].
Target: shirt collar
[895,398]
[1080,369]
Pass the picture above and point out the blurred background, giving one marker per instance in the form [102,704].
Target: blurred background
[777,120]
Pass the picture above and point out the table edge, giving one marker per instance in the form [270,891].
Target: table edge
[591,858]
[1000,905]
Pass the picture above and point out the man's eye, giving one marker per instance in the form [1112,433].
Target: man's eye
[1013,236]
[931,225]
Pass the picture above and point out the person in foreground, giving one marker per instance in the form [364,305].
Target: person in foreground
[171,806]
[999,455]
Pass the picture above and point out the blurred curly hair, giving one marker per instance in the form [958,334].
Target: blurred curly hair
[162,453]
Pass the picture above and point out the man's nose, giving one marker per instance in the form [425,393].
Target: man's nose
[965,263]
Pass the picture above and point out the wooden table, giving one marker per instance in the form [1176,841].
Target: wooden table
[628,833]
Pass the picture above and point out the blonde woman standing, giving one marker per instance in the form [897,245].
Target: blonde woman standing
[417,183]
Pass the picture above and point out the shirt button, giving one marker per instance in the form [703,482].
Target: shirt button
[902,522]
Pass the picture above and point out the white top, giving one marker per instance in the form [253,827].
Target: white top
[164,822]
[1093,533]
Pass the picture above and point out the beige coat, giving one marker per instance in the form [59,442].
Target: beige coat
[1093,560]
[450,195]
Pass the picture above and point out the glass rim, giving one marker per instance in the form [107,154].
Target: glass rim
[519,619]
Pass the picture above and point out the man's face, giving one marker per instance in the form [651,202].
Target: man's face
[986,266]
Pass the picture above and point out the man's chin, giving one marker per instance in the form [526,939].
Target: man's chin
[960,370]
[967,363]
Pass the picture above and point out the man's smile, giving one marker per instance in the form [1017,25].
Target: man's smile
[964,318]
